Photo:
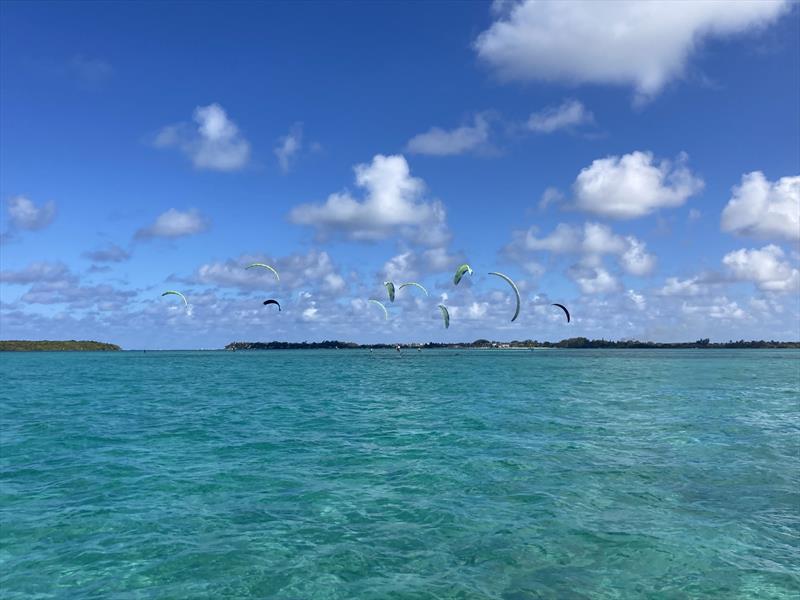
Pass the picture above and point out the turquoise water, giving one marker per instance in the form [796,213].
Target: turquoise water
[441,474]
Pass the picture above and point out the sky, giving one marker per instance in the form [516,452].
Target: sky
[636,162]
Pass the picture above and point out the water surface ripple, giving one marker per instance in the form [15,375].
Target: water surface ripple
[443,474]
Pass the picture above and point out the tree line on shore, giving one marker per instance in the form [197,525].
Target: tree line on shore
[577,342]
[55,346]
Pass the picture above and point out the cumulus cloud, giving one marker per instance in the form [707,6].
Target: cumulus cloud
[638,300]
[310,313]
[635,259]
[593,280]
[392,205]
[37,272]
[24,214]
[550,196]
[54,283]
[77,296]
[644,45]
[599,239]
[762,209]
[401,267]
[313,270]
[288,147]
[477,310]
[564,238]
[215,141]
[439,259]
[633,185]
[174,224]
[440,142]
[592,241]
[568,114]
[110,253]
[410,265]
[682,287]
[716,308]
[765,267]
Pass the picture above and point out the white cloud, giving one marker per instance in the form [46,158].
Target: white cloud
[401,267]
[762,209]
[477,310]
[635,259]
[54,283]
[550,196]
[534,268]
[599,239]
[437,260]
[630,186]
[440,142]
[593,280]
[568,114]
[311,313]
[38,272]
[718,308]
[68,291]
[411,266]
[638,300]
[726,310]
[216,143]
[174,224]
[23,213]
[392,205]
[288,147]
[333,282]
[222,315]
[233,274]
[681,287]
[314,270]
[643,44]
[763,267]
[564,239]
[592,241]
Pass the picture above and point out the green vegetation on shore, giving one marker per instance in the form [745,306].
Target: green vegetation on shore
[579,342]
[55,346]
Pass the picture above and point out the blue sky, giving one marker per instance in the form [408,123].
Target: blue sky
[640,165]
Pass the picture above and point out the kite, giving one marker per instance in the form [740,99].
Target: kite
[263,266]
[514,287]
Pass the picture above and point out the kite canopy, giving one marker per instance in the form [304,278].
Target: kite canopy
[385,312]
[389,289]
[445,315]
[564,308]
[514,287]
[272,301]
[263,266]
[174,293]
[414,283]
[465,268]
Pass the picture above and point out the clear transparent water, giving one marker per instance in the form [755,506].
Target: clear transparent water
[447,474]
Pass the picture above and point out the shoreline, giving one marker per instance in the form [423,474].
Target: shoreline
[572,343]
[569,344]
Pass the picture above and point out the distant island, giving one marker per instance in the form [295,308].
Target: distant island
[578,342]
[55,346]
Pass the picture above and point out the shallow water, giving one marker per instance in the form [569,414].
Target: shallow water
[441,474]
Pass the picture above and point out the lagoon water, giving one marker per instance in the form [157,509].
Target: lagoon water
[440,474]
